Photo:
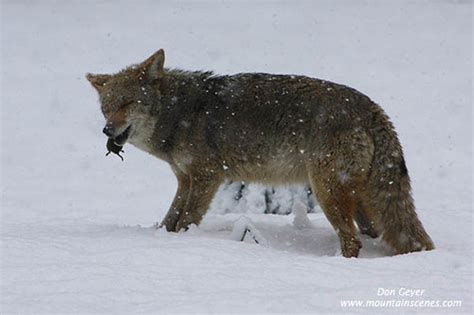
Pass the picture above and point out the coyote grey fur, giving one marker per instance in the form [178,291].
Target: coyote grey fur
[273,129]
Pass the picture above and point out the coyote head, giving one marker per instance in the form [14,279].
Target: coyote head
[129,96]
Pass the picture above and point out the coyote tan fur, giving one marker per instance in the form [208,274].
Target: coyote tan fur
[273,129]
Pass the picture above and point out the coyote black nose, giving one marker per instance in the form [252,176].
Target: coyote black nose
[108,131]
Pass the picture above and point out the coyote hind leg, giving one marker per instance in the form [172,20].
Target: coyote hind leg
[339,207]
[338,176]
[366,222]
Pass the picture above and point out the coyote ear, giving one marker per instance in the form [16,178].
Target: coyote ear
[154,65]
[97,80]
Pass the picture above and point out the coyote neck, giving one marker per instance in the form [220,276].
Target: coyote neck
[182,97]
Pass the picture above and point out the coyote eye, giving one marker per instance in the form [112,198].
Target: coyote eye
[109,110]
[126,104]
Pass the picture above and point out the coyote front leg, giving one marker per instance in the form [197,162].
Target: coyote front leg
[179,203]
[203,189]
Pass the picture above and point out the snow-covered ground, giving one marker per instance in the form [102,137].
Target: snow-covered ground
[76,226]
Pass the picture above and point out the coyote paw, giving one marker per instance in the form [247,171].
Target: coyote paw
[413,244]
[350,247]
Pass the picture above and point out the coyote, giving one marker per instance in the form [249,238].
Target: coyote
[273,129]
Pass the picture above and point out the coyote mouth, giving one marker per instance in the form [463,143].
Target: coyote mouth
[122,138]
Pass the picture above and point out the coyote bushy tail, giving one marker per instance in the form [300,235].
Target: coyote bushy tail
[389,191]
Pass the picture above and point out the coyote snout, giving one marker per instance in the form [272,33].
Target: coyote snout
[274,129]
[119,137]
[109,131]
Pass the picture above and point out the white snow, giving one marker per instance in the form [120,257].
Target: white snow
[301,220]
[76,226]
